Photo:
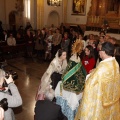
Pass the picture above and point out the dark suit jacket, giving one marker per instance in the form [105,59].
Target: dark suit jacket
[47,110]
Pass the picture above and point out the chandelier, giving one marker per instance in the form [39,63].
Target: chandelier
[55,3]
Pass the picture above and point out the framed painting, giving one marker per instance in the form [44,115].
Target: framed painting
[79,7]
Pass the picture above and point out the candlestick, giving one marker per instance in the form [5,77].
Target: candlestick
[92,19]
[98,19]
[95,20]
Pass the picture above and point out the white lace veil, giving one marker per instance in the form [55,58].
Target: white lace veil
[64,61]
[2,74]
[56,55]
[45,81]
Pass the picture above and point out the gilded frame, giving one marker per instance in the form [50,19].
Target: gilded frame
[79,7]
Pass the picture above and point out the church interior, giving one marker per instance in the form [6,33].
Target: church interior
[17,16]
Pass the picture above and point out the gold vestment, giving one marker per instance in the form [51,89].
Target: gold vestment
[101,94]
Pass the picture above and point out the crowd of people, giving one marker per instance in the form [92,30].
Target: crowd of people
[94,72]
[44,43]
[88,65]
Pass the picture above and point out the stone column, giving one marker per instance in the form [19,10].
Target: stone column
[65,10]
[40,13]
[33,18]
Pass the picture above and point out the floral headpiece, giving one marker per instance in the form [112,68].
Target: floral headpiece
[77,46]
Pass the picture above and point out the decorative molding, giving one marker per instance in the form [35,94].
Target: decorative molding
[55,3]
[99,12]
[83,26]
[79,7]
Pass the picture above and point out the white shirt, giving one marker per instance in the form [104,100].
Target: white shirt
[11,41]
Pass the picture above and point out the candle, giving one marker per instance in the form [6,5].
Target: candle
[92,19]
[95,20]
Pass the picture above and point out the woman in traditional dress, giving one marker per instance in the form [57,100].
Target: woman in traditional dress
[73,78]
[54,72]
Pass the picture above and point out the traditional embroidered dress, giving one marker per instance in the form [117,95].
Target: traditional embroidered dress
[102,93]
[74,76]
[54,66]
[69,91]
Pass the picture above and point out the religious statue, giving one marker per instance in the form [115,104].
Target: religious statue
[78,6]
[73,78]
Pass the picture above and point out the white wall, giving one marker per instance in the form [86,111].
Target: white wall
[33,10]
[77,19]
[53,19]
[6,6]
[49,9]
[10,6]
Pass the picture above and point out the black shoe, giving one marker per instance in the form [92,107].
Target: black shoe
[54,100]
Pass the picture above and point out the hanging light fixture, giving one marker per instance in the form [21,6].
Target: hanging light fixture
[55,3]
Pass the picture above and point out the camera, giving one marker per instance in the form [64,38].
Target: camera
[7,74]
[4,104]
[3,63]
[11,72]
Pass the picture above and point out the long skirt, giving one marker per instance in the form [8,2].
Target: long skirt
[55,77]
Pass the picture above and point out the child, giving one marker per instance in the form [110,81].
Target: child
[48,49]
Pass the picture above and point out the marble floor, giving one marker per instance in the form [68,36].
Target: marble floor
[29,72]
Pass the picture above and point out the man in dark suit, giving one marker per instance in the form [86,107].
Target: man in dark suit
[48,110]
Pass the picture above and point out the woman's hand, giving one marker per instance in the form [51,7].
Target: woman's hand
[91,71]
[9,80]
[1,113]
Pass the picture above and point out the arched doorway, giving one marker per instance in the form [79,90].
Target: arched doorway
[12,20]
[53,18]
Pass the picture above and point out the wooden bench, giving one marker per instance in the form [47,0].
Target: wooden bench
[11,50]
